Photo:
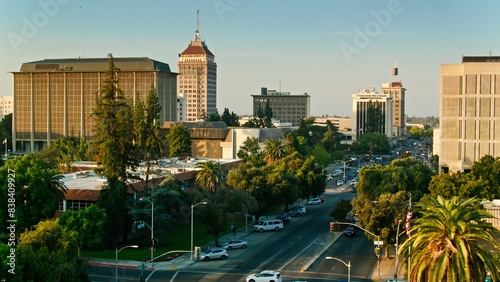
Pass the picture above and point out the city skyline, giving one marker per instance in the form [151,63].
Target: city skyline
[328,49]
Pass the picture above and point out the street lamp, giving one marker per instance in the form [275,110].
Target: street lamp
[116,258]
[397,255]
[192,207]
[348,264]
[246,210]
[151,227]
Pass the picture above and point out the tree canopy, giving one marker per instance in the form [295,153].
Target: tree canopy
[179,141]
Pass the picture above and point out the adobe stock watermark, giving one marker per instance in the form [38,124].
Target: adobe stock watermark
[31,26]
[363,37]
[223,6]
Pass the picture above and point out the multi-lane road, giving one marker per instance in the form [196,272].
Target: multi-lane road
[298,252]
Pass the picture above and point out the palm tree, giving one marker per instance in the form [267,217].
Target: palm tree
[449,242]
[209,176]
[275,149]
[51,180]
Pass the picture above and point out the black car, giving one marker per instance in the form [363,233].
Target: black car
[285,218]
[350,232]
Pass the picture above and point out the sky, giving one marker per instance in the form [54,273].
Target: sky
[329,49]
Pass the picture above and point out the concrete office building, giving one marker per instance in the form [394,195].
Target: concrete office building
[360,112]
[55,97]
[197,79]
[469,112]
[397,93]
[6,106]
[286,108]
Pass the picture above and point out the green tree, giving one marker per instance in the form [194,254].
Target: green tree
[448,242]
[249,149]
[47,254]
[381,217]
[69,149]
[268,113]
[140,128]
[113,140]
[274,150]
[179,141]
[85,224]
[209,175]
[6,130]
[38,190]
[115,151]
[231,119]
[416,132]
[371,142]
[215,116]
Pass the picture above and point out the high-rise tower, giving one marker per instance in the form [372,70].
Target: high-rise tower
[396,91]
[197,80]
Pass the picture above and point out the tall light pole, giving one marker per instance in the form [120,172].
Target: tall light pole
[192,207]
[348,264]
[116,258]
[246,210]
[151,227]
[397,256]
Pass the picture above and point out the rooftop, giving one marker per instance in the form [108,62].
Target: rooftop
[94,65]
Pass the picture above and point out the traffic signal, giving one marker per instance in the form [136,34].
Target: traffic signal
[153,242]
[332,227]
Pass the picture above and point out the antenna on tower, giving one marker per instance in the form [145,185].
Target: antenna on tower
[394,71]
[197,33]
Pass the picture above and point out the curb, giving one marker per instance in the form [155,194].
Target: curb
[112,265]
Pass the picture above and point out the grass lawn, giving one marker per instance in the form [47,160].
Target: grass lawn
[178,238]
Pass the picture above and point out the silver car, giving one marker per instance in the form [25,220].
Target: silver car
[235,244]
[215,253]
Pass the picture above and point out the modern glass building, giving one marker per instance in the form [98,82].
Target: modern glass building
[55,97]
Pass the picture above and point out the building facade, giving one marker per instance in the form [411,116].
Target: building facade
[6,106]
[469,112]
[198,79]
[363,104]
[55,97]
[286,108]
[397,93]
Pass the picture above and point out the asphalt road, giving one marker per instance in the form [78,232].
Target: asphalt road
[287,251]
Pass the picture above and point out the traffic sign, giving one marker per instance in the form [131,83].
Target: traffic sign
[378,243]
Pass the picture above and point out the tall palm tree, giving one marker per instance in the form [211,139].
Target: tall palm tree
[449,242]
[209,176]
[275,149]
[52,182]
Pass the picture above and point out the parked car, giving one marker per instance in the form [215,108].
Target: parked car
[215,253]
[295,211]
[350,232]
[235,244]
[285,218]
[265,276]
[340,182]
[314,201]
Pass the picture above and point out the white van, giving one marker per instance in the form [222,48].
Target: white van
[266,225]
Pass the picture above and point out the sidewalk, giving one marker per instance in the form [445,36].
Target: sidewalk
[388,268]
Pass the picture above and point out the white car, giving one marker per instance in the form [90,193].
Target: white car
[265,276]
[315,201]
[216,253]
[235,244]
[340,182]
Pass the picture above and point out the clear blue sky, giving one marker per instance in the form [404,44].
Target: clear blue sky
[327,48]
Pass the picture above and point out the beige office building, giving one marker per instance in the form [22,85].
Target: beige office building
[469,112]
[397,93]
[197,80]
[55,97]
[286,108]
